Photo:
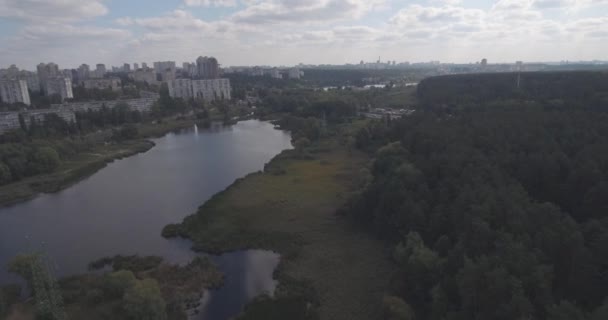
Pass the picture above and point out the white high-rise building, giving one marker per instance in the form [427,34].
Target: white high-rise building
[14,91]
[180,88]
[61,86]
[205,89]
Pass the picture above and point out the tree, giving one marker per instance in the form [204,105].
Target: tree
[301,144]
[117,283]
[44,160]
[21,265]
[144,301]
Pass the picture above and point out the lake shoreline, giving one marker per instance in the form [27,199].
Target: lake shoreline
[79,169]
[165,157]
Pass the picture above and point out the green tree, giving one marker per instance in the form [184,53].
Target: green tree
[44,160]
[117,283]
[144,301]
[301,144]
[21,265]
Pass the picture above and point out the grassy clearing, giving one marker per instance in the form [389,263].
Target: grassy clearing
[290,208]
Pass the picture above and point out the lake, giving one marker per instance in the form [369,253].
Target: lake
[122,209]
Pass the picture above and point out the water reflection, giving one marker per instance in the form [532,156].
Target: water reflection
[123,208]
[249,276]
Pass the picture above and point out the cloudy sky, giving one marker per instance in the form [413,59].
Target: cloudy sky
[287,32]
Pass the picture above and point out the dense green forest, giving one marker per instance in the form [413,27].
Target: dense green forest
[576,89]
[494,201]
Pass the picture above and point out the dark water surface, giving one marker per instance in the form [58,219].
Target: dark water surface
[123,208]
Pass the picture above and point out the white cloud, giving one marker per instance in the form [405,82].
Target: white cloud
[41,11]
[210,3]
[302,11]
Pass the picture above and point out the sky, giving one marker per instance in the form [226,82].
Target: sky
[288,32]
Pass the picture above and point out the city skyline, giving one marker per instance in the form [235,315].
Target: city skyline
[288,32]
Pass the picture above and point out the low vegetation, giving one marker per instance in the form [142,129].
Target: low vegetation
[135,288]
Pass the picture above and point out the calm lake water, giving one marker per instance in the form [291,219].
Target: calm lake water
[122,209]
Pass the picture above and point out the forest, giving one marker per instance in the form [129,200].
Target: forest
[574,89]
[493,201]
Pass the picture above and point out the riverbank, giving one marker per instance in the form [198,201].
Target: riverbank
[291,208]
[87,163]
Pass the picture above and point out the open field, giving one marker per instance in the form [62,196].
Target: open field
[290,208]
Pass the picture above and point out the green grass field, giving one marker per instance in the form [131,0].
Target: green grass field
[290,208]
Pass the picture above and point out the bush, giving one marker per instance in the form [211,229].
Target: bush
[117,283]
[144,301]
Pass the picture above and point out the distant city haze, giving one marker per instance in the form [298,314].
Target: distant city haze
[289,32]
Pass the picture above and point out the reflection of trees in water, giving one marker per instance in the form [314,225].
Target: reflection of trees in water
[247,275]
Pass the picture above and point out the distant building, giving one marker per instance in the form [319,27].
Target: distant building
[143,75]
[100,69]
[168,75]
[126,67]
[165,70]
[180,88]
[274,73]
[295,73]
[111,83]
[11,72]
[161,66]
[207,68]
[135,66]
[33,83]
[83,72]
[59,85]
[144,65]
[68,74]
[256,72]
[205,89]
[484,63]
[189,69]
[14,91]
[211,89]
[45,72]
